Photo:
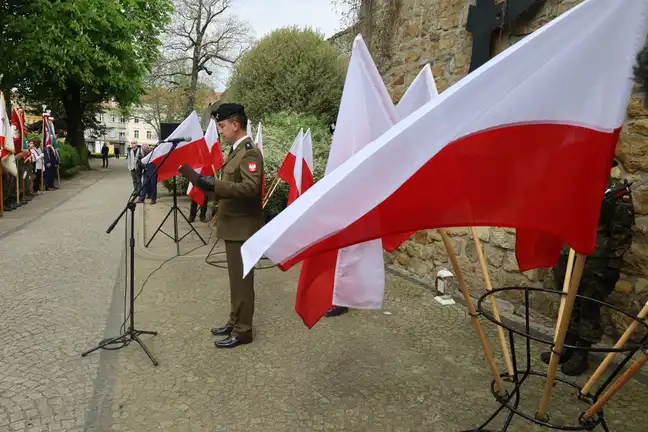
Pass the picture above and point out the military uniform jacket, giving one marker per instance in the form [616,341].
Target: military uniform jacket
[240,214]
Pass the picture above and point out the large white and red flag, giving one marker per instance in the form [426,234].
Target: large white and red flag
[212,165]
[525,141]
[192,152]
[353,276]
[297,168]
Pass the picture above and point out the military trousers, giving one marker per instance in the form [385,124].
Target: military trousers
[241,292]
[597,283]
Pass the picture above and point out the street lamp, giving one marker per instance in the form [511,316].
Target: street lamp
[445,287]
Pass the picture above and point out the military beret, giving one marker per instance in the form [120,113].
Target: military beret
[228,110]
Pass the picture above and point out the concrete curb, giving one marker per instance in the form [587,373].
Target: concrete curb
[516,322]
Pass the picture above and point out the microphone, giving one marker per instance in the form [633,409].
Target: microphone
[176,140]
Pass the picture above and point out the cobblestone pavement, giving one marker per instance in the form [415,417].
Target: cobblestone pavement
[418,368]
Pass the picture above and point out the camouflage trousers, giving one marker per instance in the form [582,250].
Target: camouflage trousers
[598,282]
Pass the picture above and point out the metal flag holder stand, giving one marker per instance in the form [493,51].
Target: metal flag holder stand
[222,262]
[175,210]
[594,416]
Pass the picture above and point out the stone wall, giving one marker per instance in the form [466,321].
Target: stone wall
[433,31]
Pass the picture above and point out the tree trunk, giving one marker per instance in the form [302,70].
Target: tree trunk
[74,109]
[195,63]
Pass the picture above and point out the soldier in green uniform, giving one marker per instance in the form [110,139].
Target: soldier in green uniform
[240,215]
[600,275]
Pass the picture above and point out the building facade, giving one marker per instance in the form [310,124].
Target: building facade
[118,130]
[405,35]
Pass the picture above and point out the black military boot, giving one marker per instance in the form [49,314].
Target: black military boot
[566,353]
[579,361]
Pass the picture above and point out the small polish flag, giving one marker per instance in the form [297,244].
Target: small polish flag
[297,168]
[214,163]
[192,153]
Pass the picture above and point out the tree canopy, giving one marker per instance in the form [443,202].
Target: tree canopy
[80,52]
[289,70]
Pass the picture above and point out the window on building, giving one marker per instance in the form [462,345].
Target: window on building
[136,132]
[149,134]
[122,136]
[112,119]
[122,120]
[136,120]
[113,133]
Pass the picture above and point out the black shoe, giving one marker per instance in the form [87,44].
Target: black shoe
[566,353]
[203,218]
[192,218]
[222,331]
[337,311]
[231,342]
[579,361]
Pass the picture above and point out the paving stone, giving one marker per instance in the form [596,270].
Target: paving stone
[414,370]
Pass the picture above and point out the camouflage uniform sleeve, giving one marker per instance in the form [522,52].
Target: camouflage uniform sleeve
[622,224]
[251,167]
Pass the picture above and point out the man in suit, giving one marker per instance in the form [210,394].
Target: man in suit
[240,215]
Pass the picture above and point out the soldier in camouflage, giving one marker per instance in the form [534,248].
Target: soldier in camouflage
[600,275]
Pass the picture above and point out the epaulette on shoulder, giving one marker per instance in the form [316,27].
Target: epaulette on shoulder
[249,146]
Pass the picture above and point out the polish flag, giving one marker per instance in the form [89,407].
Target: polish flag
[353,276]
[259,138]
[297,167]
[525,141]
[212,165]
[192,153]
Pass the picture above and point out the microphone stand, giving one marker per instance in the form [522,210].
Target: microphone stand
[131,334]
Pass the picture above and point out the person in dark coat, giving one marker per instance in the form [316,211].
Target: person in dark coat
[51,165]
[104,156]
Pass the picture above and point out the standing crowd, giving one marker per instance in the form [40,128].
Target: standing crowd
[37,171]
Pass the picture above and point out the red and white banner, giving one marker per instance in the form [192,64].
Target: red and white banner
[192,153]
[505,146]
[212,165]
[7,148]
[297,168]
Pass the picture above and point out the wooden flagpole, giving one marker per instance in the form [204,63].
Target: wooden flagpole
[636,367]
[271,192]
[566,306]
[496,315]
[566,285]
[488,353]
[620,344]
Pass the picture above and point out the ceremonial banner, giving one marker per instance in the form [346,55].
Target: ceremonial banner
[487,150]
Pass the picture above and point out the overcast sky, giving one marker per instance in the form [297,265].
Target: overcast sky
[267,15]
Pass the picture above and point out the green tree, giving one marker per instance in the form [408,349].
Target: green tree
[289,70]
[82,52]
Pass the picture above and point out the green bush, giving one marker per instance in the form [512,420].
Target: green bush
[289,70]
[69,172]
[68,157]
[182,184]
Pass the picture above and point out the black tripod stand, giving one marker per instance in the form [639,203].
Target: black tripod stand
[131,334]
[175,210]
